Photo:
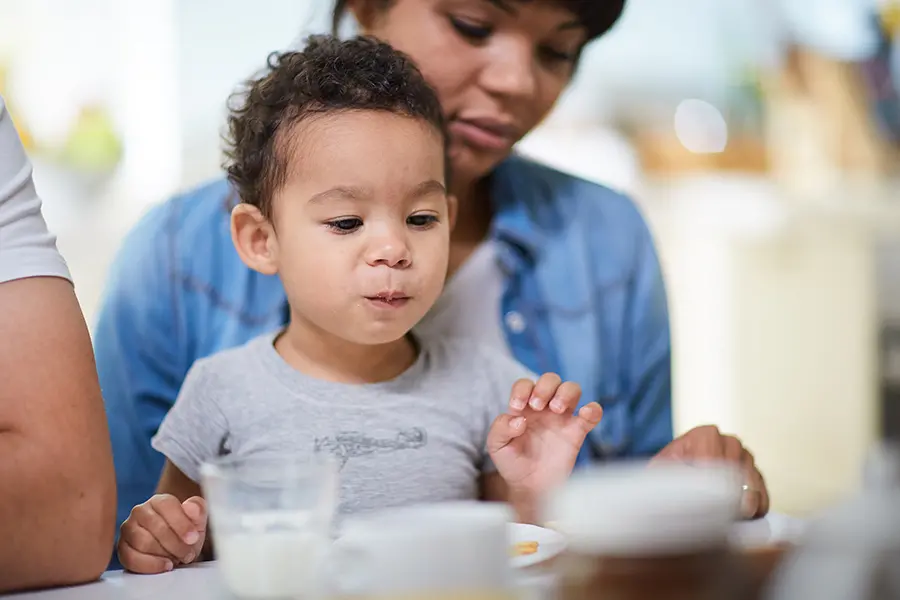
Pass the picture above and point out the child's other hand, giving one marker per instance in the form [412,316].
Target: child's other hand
[535,444]
[162,533]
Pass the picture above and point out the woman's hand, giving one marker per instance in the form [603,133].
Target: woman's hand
[707,443]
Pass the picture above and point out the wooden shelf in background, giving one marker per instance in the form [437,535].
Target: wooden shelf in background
[665,154]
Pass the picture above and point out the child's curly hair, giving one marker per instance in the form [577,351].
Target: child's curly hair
[328,75]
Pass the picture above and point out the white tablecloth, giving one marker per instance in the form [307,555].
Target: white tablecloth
[201,582]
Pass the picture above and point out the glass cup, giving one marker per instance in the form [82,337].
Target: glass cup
[270,520]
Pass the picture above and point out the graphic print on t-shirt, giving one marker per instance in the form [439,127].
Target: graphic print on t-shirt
[224,447]
[345,445]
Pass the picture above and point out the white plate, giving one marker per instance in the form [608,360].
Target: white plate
[550,543]
[774,528]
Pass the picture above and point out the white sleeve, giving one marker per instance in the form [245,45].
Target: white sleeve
[27,248]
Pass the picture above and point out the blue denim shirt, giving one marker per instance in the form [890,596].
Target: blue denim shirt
[583,297]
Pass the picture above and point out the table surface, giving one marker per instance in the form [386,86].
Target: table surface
[202,582]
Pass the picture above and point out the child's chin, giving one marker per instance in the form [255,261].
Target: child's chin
[379,335]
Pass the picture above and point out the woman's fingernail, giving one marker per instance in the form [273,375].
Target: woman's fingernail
[557,405]
[535,403]
[191,538]
[517,403]
[517,422]
[169,566]
[189,558]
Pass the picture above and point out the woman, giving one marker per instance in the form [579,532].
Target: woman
[559,272]
[56,472]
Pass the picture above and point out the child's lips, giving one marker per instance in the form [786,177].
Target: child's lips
[389,300]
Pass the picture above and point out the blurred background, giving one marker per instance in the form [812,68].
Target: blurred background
[760,138]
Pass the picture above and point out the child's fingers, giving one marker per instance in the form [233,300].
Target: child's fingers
[544,390]
[195,509]
[587,418]
[566,398]
[171,509]
[141,540]
[506,428]
[164,517]
[521,393]
[138,562]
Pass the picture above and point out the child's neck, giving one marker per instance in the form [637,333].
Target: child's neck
[324,356]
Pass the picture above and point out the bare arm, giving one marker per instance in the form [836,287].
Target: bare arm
[57,488]
[174,482]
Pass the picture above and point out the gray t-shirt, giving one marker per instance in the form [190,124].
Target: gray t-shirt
[418,438]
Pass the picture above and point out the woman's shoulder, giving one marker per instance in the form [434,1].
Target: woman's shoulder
[550,205]
[195,223]
[199,211]
[186,242]
[543,187]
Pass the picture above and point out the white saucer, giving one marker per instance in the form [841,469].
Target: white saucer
[550,543]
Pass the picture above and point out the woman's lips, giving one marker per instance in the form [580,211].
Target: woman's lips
[484,134]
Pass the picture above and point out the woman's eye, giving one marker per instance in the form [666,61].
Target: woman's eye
[421,220]
[553,55]
[471,31]
[346,225]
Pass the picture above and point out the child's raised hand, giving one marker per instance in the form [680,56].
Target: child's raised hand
[162,533]
[535,444]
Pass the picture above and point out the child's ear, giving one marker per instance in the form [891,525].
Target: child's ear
[254,239]
[452,210]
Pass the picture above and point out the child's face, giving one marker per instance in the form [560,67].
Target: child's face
[360,231]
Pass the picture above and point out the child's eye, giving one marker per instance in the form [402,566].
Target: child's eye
[421,221]
[471,31]
[345,225]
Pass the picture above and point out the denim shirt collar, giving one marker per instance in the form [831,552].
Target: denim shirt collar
[513,198]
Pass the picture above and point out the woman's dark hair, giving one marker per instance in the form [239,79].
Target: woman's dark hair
[328,75]
[597,16]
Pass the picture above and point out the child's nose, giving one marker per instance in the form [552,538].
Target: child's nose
[390,250]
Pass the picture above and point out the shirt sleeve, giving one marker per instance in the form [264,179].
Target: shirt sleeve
[195,430]
[503,371]
[27,248]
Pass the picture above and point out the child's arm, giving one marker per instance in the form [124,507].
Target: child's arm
[167,530]
[495,489]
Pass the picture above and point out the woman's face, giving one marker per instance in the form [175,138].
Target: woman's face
[498,66]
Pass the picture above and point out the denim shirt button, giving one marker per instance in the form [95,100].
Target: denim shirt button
[515,321]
